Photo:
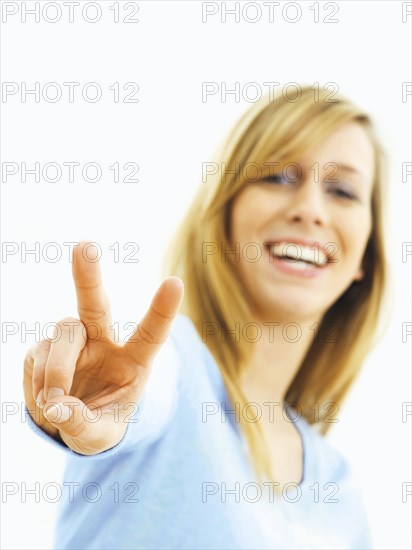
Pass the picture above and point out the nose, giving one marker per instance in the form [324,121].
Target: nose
[308,204]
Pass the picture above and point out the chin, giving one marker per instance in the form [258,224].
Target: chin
[294,310]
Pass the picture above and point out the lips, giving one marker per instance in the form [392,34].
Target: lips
[296,269]
[294,250]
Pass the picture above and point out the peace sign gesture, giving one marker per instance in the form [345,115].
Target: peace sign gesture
[83,375]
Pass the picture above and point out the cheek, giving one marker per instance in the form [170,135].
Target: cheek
[250,210]
[355,237]
[242,217]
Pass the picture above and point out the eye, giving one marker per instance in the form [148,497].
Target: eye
[276,178]
[342,192]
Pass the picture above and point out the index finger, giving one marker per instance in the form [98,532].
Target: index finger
[92,302]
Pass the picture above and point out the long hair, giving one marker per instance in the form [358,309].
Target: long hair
[214,295]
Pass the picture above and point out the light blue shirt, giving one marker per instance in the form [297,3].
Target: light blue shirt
[180,479]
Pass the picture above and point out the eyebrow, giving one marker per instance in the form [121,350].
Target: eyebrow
[349,168]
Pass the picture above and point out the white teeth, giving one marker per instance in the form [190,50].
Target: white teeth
[300,252]
[299,265]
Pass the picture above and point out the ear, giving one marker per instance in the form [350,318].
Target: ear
[359,275]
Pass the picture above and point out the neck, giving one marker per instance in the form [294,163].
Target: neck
[277,356]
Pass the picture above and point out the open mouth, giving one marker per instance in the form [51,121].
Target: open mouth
[297,256]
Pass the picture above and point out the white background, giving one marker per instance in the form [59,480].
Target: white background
[170,52]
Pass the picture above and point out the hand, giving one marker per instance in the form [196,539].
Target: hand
[83,381]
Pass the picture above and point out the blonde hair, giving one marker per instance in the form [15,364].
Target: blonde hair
[214,293]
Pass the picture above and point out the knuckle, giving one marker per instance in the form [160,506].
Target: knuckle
[92,312]
[29,357]
[162,315]
[37,378]
[81,429]
[41,349]
[146,336]
[63,371]
[69,324]
[44,344]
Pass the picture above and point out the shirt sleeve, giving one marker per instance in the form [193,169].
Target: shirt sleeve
[152,413]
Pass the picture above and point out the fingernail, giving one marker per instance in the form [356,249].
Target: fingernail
[58,413]
[54,392]
[39,399]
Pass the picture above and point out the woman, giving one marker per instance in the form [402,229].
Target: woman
[222,446]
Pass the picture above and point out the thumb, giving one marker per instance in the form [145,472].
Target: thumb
[83,429]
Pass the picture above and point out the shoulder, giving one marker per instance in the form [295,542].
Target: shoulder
[197,364]
[183,330]
[186,341]
[183,342]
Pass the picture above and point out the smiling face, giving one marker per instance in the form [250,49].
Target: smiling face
[306,207]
